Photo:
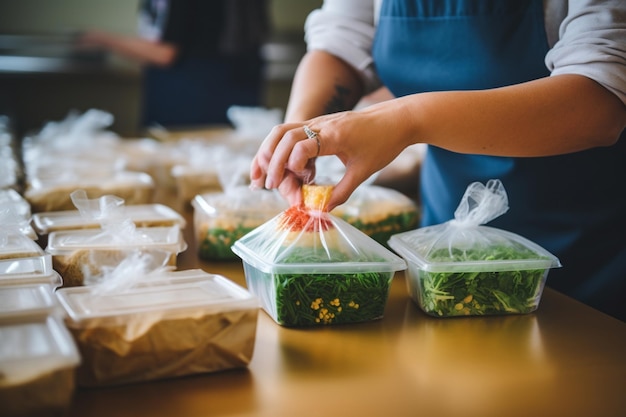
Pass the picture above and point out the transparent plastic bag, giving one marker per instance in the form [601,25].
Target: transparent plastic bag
[15,214]
[82,256]
[310,268]
[463,267]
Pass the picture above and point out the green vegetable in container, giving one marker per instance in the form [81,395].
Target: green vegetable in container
[481,292]
[216,242]
[309,268]
[463,268]
[329,298]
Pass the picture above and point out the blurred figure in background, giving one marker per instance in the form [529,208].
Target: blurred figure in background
[200,57]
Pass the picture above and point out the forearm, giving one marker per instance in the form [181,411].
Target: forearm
[322,84]
[550,116]
[139,49]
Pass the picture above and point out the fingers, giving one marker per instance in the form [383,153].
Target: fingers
[265,153]
[290,188]
[292,153]
[286,149]
[344,188]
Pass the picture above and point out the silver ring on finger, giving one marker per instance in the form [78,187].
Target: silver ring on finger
[311,134]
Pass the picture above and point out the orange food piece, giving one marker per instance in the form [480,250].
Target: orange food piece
[315,197]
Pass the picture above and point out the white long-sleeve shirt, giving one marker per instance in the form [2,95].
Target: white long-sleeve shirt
[586,37]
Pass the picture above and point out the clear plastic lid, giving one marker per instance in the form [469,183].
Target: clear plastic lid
[53,278]
[28,266]
[109,181]
[465,244]
[16,245]
[175,294]
[490,249]
[140,214]
[26,300]
[165,238]
[33,348]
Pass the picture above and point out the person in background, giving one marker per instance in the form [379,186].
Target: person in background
[530,92]
[200,57]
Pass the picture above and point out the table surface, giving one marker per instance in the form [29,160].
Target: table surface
[565,359]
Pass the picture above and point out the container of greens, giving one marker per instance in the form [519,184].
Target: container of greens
[379,212]
[220,218]
[464,268]
[309,268]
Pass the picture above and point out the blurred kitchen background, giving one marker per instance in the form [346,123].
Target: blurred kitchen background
[42,78]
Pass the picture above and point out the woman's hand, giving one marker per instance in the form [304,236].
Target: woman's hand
[365,141]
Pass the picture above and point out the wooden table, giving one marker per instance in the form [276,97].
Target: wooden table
[566,359]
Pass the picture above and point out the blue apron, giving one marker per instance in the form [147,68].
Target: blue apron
[573,205]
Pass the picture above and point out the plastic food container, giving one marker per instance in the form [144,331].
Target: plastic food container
[222,218]
[16,245]
[50,194]
[210,166]
[20,256]
[76,251]
[38,359]
[191,181]
[379,212]
[53,279]
[186,323]
[331,273]
[506,276]
[142,215]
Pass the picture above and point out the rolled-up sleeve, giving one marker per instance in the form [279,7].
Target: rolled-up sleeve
[345,28]
[592,42]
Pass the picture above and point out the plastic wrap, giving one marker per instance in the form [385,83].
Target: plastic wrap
[15,213]
[53,194]
[209,165]
[79,255]
[311,268]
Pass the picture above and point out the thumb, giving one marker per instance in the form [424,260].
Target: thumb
[343,190]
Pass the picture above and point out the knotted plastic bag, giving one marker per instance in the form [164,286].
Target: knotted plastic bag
[463,267]
[459,238]
[81,256]
[308,233]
